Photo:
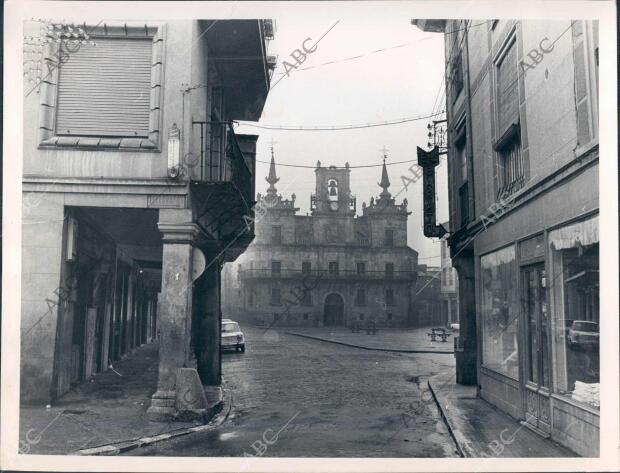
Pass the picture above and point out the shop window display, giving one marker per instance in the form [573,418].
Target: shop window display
[500,312]
[575,289]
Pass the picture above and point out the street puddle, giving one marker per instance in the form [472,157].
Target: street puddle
[228,435]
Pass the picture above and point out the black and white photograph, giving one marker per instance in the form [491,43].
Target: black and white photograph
[310,236]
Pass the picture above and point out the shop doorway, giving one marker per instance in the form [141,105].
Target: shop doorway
[536,368]
[333,313]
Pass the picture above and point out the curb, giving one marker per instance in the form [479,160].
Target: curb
[221,411]
[447,422]
[392,350]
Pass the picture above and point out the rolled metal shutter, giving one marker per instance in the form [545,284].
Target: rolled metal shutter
[105,89]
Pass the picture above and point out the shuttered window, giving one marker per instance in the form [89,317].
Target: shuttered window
[507,89]
[105,89]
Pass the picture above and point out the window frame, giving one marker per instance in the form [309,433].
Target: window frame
[360,301]
[48,138]
[508,144]
[275,300]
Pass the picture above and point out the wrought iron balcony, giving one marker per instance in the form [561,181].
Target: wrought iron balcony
[325,274]
[221,160]
[222,179]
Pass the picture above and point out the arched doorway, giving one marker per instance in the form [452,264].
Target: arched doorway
[333,312]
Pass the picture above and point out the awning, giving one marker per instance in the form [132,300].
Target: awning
[582,233]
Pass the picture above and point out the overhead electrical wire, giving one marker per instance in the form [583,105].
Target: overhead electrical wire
[437,103]
[359,56]
[341,127]
[339,167]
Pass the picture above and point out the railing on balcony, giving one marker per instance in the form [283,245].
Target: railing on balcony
[325,274]
[221,158]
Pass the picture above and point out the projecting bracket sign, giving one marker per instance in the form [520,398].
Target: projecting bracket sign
[428,160]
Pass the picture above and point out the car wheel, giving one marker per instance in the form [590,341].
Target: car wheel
[242,348]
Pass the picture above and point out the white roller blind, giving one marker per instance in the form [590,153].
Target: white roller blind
[105,89]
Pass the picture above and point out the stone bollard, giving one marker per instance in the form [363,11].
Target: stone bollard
[190,402]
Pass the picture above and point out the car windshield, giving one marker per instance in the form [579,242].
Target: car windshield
[230,327]
[585,326]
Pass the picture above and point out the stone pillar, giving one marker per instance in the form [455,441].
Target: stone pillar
[208,316]
[177,392]
[465,350]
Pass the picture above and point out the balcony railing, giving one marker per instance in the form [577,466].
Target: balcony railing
[221,158]
[325,274]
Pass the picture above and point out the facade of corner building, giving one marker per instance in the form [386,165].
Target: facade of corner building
[522,122]
[119,249]
[332,267]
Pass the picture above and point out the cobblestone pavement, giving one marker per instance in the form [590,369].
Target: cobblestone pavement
[325,400]
[385,338]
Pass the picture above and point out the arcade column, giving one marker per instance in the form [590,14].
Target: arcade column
[179,394]
[465,350]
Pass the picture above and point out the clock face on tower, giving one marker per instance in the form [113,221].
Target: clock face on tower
[333,206]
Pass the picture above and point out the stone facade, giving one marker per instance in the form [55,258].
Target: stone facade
[523,175]
[332,267]
[118,249]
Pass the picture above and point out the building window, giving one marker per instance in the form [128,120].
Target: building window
[275,296]
[511,172]
[389,270]
[462,158]
[500,312]
[333,268]
[360,297]
[511,168]
[460,148]
[389,237]
[305,316]
[361,268]
[390,316]
[105,90]
[389,297]
[574,285]
[251,298]
[276,235]
[306,267]
[456,81]
[464,204]
[276,267]
[585,58]
[92,98]
[361,316]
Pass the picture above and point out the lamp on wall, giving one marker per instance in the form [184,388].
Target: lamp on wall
[174,151]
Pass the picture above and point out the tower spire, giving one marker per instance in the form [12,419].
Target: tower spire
[385,181]
[272,179]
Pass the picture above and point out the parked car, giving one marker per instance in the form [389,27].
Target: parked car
[232,336]
[583,333]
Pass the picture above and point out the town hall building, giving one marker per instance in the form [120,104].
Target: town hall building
[329,268]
